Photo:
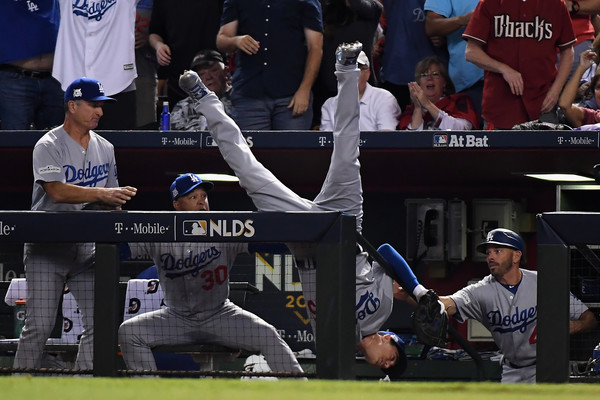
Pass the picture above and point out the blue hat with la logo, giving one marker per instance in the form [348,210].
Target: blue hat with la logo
[186,183]
[86,89]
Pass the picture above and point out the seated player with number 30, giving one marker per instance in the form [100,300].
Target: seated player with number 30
[195,280]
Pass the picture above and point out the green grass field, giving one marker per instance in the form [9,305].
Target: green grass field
[39,388]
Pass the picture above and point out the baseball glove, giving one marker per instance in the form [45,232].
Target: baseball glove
[430,320]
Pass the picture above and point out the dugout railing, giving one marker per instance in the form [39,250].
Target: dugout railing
[334,232]
[560,237]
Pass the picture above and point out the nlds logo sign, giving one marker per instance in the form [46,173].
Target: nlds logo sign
[222,228]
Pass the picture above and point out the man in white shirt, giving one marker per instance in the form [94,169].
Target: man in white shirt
[379,109]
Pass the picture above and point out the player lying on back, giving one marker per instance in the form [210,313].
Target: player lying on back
[341,191]
[196,296]
[505,302]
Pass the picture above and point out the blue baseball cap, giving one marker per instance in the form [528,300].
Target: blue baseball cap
[503,238]
[185,183]
[86,89]
[396,371]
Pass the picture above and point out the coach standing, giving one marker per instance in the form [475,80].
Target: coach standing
[515,43]
[73,169]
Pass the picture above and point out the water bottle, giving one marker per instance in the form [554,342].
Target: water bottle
[165,117]
[19,317]
[595,356]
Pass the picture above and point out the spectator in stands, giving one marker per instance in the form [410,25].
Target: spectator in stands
[195,281]
[521,82]
[74,169]
[574,114]
[276,61]
[145,62]
[29,95]
[585,94]
[98,41]
[344,21]
[178,30]
[214,73]
[448,18]
[585,19]
[584,35]
[379,109]
[405,45]
[434,103]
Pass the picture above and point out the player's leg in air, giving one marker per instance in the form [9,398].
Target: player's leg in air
[266,191]
[342,189]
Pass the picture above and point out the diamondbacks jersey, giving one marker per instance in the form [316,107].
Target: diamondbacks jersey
[59,158]
[524,35]
[96,39]
[511,318]
[194,276]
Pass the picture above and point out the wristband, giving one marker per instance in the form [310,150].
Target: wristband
[574,7]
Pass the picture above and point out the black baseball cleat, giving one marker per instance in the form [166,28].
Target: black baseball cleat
[191,83]
[347,53]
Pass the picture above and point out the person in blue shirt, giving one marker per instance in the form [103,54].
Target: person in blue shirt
[29,95]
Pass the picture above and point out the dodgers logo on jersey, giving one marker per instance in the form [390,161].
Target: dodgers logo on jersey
[192,264]
[92,9]
[90,176]
[367,305]
[517,321]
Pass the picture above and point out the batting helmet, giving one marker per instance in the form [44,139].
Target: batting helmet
[502,237]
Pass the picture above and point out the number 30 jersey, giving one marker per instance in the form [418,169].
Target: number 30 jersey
[194,276]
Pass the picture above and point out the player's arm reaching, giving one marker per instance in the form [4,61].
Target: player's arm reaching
[581,318]
[430,320]
[110,196]
[586,322]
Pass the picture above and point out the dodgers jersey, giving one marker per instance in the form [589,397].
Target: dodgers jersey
[96,39]
[374,297]
[341,190]
[512,319]
[57,157]
[194,276]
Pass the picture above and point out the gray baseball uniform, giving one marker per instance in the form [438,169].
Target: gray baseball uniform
[195,281]
[341,191]
[58,158]
[510,314]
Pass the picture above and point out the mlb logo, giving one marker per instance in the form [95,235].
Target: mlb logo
[210,142]
[194,228]
[440,139]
